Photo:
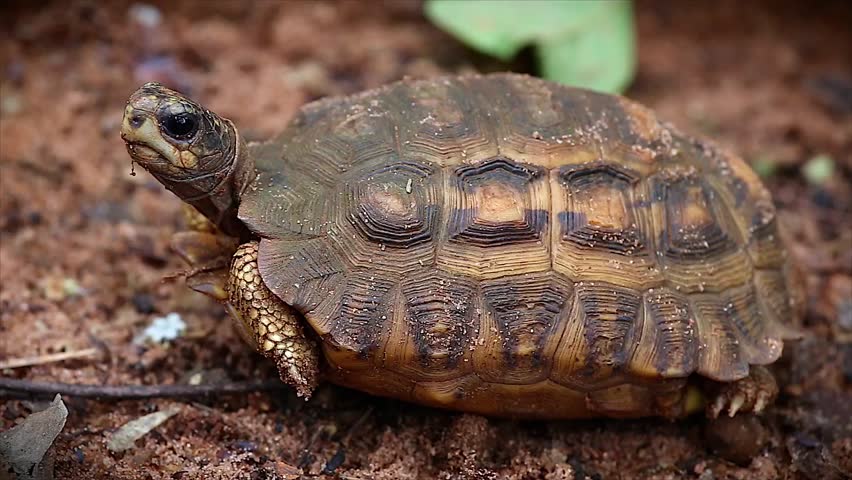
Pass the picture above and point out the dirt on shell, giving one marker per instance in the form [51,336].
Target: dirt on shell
[85,259]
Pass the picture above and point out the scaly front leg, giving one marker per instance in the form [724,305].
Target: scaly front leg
[261,318]
[277,329]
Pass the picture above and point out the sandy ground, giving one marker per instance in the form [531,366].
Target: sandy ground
[85,245]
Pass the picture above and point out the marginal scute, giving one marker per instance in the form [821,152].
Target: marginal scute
[447,392]
[623,400]
[777,302]
[765,246]
[757,341]
[435,327]
[598,335]
[523,320]
[667,345]
[302,273]
[720,356]
[358,330]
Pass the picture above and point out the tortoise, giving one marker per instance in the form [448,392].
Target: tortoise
[495,244]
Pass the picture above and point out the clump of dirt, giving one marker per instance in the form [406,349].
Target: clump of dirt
[85,245]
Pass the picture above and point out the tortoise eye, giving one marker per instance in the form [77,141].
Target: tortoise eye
[180,125]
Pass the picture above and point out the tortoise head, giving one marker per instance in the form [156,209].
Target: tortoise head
[193,152]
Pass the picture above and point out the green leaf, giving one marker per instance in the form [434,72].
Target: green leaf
[818,169]
[583,43]
[601,59]
[765,166]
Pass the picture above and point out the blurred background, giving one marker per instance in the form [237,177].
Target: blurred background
[84,244]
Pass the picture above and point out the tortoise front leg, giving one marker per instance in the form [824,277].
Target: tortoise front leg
[261,318]
[277,329]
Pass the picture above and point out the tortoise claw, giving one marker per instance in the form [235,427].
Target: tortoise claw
[208,256]
[716,407]
[763,399]
[736,403]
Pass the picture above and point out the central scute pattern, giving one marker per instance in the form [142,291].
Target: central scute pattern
[446,236]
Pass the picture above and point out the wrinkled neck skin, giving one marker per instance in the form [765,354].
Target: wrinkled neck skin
[217,195]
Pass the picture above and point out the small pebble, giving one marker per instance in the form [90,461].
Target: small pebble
[335,461]
[143,303]
[11,105]
[806,440]
[245,446]
[15,71]
[738,439]
[145,15]
[59,288]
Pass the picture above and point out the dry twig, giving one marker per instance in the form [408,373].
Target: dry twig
[10,387]
[49,358]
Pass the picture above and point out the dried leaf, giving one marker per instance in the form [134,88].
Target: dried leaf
[25,448]
[287,471]
[125,437]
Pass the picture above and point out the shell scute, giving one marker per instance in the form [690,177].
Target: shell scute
[699,246]
[603,218]
[521,323]
[667,345]
[384,211]
[435,327]
[498,220]
[599,332]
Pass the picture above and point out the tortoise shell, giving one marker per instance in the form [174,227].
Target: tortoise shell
[505,245]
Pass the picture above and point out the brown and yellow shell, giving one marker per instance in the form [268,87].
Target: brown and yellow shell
[506,245]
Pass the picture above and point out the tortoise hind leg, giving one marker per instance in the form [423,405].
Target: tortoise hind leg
[276,329]
[739,436]
[750,394]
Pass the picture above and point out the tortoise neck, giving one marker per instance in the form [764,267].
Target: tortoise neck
[219,197]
